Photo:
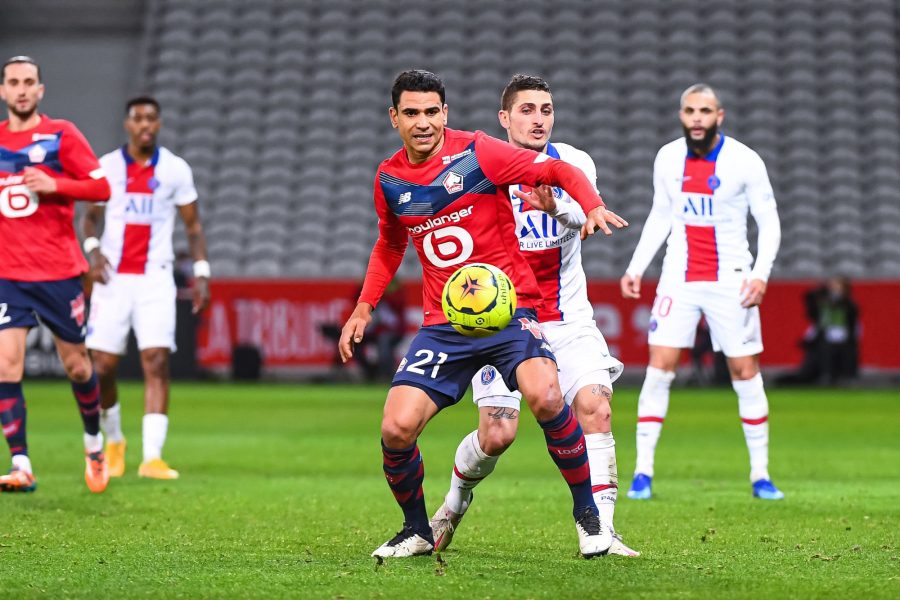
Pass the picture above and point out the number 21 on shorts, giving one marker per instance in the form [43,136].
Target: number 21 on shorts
[425,362]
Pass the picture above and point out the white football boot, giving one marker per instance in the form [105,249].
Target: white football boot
[444,524]
[594,536]
[406,543]
[620,549]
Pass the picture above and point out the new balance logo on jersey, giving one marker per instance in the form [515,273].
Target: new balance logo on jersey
[404,198]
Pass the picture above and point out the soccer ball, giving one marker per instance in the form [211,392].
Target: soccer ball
[478,300]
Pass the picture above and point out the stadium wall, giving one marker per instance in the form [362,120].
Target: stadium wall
[284,319]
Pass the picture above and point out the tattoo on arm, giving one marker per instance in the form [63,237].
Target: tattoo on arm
[504,413]
[602,390]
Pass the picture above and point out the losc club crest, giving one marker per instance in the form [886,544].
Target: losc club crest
[37,154]
[77,306]
[453,182]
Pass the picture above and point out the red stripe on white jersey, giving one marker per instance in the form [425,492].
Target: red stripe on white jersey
[135,247]
[702,252]
[136,242]
[546,265]
[758,421]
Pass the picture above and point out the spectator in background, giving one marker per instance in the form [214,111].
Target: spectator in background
[831,351]
[376,356]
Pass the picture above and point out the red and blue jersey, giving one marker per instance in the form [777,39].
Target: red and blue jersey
[37,236]
[456,208]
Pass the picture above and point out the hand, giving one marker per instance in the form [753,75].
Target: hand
[354,329]
[539,198]
[38,181]
[630,285]
[598,219]
[201,295]
[752,292]
[100,267]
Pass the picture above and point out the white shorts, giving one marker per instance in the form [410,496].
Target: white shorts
[582,358]
[145,303]
[734,330]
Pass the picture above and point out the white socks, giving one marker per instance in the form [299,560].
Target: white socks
[21,462]
[93,443]
[653,404]
[470,467]
[753,407]
[601,451]
[111,422]
[156,425]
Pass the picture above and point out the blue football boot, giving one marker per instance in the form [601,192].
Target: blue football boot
[640,487]
[764,489]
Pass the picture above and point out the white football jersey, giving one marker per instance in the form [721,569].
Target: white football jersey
[140,214]
[701,203]
[554,250]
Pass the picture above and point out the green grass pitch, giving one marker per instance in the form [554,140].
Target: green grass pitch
[282,495]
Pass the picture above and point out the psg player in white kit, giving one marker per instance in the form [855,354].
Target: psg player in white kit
[134,288]
[550,242]
[704,184]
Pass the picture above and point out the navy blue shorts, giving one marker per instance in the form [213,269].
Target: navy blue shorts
[441,362]
[58,304]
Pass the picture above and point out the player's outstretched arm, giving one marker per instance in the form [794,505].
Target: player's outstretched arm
[354,330]
[600,218]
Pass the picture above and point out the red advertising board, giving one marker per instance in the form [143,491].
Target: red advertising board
[284,319]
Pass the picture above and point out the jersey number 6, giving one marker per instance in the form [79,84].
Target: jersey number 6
[17,201]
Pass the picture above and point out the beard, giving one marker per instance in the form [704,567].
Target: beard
[22,115]
[704,144]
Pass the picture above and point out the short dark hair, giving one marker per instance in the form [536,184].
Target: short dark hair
[138,100]
[520,83]
[416,80]
[21,59]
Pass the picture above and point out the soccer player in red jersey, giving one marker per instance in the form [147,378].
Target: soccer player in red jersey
[448,190]
[45,166]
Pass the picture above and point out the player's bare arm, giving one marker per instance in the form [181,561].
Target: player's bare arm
[354,330]
[90,231]
[600,219]
[752,292]
[197,244]
[630,285]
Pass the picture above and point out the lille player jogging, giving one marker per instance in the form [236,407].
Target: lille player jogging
[550,242]
[45,166]
[448,190]
[134,288]
[704,183]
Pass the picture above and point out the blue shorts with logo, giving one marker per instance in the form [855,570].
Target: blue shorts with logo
[441,362]
[58,304]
